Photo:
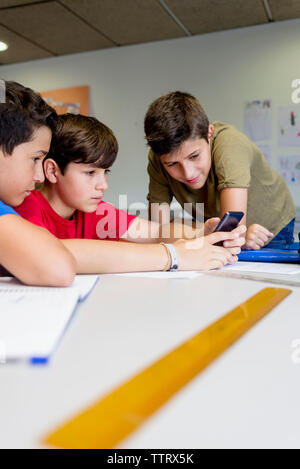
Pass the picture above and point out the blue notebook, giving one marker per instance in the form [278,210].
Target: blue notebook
[283,253]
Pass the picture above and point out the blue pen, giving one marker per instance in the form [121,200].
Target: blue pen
[38,361]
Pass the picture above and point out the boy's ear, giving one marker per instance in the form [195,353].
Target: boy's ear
[210,132]
[51,170]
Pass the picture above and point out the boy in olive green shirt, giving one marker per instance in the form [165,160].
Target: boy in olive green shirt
[214,164]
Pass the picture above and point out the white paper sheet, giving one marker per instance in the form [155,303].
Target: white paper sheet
[258,120]
[289,168]
[289,125]
[263,267]
[83,284]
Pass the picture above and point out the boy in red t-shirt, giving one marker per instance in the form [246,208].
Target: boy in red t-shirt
[70,206]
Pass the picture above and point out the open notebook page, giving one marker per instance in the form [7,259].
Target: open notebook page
[32,319]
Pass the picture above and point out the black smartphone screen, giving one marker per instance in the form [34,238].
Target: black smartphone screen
[229,221]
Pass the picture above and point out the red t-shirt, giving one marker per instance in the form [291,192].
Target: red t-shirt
[105,223]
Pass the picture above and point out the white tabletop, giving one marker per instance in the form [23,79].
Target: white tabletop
[249,397]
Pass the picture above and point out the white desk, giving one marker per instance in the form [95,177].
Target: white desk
[249,397]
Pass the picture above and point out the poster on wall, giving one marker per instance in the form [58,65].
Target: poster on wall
[289,125]
[267,152]
[289,168]
[258,120]
[74,100]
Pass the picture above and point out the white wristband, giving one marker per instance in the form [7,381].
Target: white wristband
[174,257]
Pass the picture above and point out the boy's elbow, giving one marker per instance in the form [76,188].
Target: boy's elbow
[59,273]
[67,278]
[62,272]
[63,279]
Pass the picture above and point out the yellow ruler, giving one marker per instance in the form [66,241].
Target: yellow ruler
[107,422]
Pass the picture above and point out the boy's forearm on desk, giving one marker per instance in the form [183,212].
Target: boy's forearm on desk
[96,256]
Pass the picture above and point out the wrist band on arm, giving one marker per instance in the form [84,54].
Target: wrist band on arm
[173,258]
[169,262]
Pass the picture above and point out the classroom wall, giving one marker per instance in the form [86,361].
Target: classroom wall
[222,69]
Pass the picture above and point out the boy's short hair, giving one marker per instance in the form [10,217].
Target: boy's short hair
[82,139]
[21,114]
[172,119]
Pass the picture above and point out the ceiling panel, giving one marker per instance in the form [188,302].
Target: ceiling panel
[35,29]
[53,27]
[284,10]
[204,16]
[127,21]
[19,49]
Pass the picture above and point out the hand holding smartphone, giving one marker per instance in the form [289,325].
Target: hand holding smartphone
[228,223]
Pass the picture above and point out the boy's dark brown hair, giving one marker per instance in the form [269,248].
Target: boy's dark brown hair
[22,112]
[172,119]
[82,139]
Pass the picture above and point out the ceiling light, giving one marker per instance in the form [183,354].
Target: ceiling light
[3,46]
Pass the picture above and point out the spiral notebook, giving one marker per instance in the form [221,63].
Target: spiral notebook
[33,319]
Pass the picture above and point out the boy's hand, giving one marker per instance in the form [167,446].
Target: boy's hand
[257,236]
[202,254]
[210,225]
[239,241]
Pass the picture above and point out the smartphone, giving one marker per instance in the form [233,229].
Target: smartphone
[229,221]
